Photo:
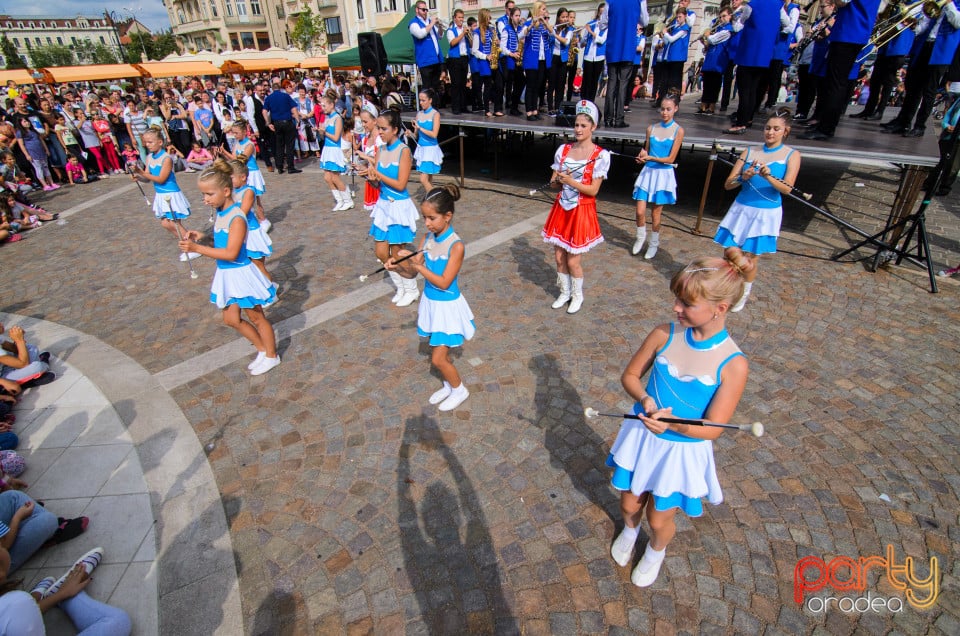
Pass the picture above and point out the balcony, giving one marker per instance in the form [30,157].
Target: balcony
[244,20]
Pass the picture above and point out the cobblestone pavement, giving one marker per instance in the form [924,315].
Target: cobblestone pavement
[355,507]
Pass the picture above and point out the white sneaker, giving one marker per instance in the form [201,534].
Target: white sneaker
[622,548]
[260,356]
[455,399]
[265,365]
[184,256]
[266,225]
[89,561]
[651,250]
[646,572]
[442,394]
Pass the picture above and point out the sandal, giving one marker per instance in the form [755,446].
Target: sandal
[68,529]
[498,114]
[740,130]
[488,114]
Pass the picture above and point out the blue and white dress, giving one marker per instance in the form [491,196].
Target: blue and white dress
[395,214]
[258,243]
[428,155]
[753,221]
[678,470]
[254,176]
[331,158]
[657,182]
[444,315]
[237,282]
[179,206]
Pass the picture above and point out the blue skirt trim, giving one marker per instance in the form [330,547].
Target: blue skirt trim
[440,339]
[754,245]
[258,255]
[428,167]
[660,197]
[395,234]
[248,302]
[330,166]
[692,506]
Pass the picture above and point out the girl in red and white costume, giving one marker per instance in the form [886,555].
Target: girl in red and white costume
[572,227]
[366,151]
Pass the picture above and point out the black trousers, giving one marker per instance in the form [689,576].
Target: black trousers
[558,82]
[535,77]
[491,87]
[748,81]
[727,86]
[591,80]
[457,68]
[181,140]
[571,75]
[617,85]
[430,76]
[774,81]
[513,83]
[628,93]
[883,81]
[711,87]
[285,134]
[267,141]
[840,59]
[806,89]
[921,86]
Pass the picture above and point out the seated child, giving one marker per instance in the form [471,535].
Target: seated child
[76,173]
[21,210]
[130,156]
[179,161]
[23,362]
[199,158]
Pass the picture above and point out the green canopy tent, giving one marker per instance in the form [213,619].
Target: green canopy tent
[398,43]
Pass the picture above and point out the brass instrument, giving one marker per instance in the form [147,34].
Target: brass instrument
[817,33]
[572,55]
[901,17]
[495,53]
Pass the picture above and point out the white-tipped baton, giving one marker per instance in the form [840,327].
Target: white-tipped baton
[364,277]
[136,180]
[756,429]
[193,273]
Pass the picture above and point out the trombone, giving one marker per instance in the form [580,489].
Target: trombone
[895,18]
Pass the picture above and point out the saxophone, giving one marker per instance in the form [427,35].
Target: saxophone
[495,53]
[574,51]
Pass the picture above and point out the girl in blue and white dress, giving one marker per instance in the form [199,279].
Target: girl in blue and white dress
[237,284]
[169,204]
[428,155]
[331,158]
[258,244]
[696,372]
[753,221]
[444,315]
[245,151]
[394,215]
[657,182]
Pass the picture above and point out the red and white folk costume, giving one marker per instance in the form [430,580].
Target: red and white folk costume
[572,224]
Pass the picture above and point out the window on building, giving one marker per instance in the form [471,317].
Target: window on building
[334,33]
[49,41]
[234,40]
[229,6]
[27,42]
[60,41]
[213,9]
[241,8]
[263,40]
[393,5]
[102,40]
[432,4]
[19,25]
[247,40]
[73,41]
[280,14]
[39,43]
[16,42]
[255,7]
[181,17]
[43,25]
[359,8]
[31,25]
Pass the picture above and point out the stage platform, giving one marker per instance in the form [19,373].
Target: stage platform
[856,141]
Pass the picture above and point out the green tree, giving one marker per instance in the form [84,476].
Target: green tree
[51,55]
[163,45]
[102,54]
[10,54]
[308,29]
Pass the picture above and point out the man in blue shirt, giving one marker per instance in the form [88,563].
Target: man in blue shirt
[621,18]
[281,114]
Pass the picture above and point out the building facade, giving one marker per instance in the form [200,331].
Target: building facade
[32,32]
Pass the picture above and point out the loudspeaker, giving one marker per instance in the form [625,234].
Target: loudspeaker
[373,57]
[566,114]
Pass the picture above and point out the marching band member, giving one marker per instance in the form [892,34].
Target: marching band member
[537,36]
[789,19]
[736,22]
[886,74]
[459,40]
[851,31]
[575,54]
[715,60]
[563,32]
[484,79]
[623,20]
[510,66]
[677,44]
[426,46]
[760,24]
[594,55]
[932,52]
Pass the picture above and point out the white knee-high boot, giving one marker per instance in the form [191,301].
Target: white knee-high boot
[398,281]
[641,237]
[576,295]
[653,245]
[347,200]
[410,292]
[563,280]
[336,196]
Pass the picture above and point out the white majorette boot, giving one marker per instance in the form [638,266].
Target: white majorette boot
[641,237]
[410,292]
[622,548]
[649,567]
[347,199]
[576,296]
[339,199]
[652,247]
[743,299]
[398,281]
[564,281]
[457,396]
